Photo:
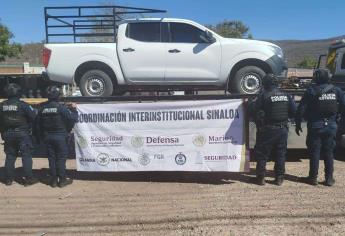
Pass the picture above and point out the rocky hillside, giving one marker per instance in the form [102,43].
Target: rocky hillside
[295,51]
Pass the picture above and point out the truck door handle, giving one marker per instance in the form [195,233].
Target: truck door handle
[128,50]
[174,51]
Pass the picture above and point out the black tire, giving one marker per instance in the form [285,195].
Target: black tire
[96,83]
[247,80]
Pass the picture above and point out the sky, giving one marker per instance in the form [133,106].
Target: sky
[267,19]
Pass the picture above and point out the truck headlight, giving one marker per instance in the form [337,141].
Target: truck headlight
[278,51]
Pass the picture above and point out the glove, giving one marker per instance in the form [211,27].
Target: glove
[298,129]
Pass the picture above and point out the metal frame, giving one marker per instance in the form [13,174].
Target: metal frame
[72,23]
[155,98]
[319,61]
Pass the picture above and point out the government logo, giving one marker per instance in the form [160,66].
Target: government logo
[137,142]
[144,159]
[103,159]
[199,140]
[180,159]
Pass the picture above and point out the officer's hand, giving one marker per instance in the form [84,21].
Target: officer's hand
[298,130]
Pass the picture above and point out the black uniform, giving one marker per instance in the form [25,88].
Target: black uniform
[319,106]
[54,123]
[271,110]
[16,118]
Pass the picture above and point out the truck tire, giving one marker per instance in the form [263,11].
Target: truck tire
[247,80]
[96,83]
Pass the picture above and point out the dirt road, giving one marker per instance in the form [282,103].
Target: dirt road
[174,204]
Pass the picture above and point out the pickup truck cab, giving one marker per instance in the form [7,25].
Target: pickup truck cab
[167,53]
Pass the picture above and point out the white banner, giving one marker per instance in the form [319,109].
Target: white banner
[162,136]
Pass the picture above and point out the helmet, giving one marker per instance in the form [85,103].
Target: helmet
[269,80]
[322,76]
[53,92]
[12,90]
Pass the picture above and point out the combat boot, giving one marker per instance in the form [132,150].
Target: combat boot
[279,180]
[330,181]
[63,182]
[260,180]
[8,182]
[309,180]
[29,181]
[53,182]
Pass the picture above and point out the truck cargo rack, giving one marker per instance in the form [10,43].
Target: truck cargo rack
[88,23]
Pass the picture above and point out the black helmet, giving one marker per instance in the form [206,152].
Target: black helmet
[322,76]
[12,90]
[53,92]
[269,80]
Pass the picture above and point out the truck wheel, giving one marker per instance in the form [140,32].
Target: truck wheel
[247,80]
[96,83]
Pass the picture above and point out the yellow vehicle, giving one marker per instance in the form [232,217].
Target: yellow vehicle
[335,62]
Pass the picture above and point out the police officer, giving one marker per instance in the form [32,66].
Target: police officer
[319,106]
[271,110]
[54,122]
[16,119]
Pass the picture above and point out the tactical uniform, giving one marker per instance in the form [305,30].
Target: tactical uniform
[271,110]
[54,122]
[320,106]
[16,118]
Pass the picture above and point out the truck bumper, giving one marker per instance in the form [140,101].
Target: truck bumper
[278,66]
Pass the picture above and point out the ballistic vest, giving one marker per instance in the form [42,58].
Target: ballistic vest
[276,107]
[12,115]
[326,103]
[51,118]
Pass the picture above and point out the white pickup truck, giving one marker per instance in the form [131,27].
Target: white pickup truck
[167,53]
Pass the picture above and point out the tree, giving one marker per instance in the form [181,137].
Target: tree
[7,49]
[231,29]
[307,63]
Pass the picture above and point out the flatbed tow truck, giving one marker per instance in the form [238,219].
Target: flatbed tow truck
[294,142]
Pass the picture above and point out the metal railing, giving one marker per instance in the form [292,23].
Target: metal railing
[82,22]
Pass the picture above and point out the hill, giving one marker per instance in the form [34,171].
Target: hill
[31,53]
[295,50]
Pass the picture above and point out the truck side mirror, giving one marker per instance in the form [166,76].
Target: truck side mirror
[209,37]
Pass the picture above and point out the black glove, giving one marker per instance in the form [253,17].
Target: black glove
[298,129]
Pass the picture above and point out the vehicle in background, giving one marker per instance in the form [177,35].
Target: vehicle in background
[28,77]
[335,62]
[155,53]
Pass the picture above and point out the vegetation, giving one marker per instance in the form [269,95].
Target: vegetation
[307,63]
[7,49]
[231,29]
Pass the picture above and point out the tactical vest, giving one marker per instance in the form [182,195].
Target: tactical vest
[276,107]
[326,103]
[12,115]
[51,118]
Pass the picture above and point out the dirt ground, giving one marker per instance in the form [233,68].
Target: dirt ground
[173,204]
